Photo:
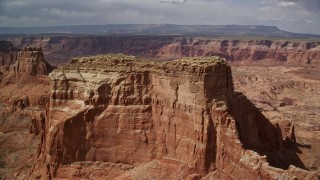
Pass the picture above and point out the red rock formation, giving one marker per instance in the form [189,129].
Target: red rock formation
[287,93]
[60,49]
[29,67]
[246,51]
[24,93]
[30,62]
[122,110]
[28,70]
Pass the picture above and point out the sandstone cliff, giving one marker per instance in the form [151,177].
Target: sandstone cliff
[59,49]
[28,67]
[120,109]
[16,82]
[247,51]
[24,93]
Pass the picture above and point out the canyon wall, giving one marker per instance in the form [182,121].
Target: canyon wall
[247,51]
[119,109]
[24,94]
[59,49]
[123,110]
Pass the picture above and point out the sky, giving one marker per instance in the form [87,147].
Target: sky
[292,15]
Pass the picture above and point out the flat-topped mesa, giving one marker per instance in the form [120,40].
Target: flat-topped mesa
[116,108]
[111,69]
[123,63]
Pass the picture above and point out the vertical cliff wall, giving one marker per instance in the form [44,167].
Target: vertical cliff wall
[24,93]
[119,109]
[28,66]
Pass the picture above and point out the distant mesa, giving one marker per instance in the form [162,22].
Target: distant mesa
[156,29]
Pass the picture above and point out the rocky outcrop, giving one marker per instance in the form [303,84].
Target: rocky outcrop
[24,94]
[120,109]
[60,49]
[29,65]
[28,72]
[30,62]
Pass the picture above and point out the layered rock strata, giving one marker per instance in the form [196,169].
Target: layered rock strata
[28,67]
[119,109]
[291,51]
[24,82]
[247,51]
[24,94]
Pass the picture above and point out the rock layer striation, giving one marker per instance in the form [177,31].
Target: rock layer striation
[119,109]
[251,51]
[24,94]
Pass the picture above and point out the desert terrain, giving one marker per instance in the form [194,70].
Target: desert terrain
[287,93]
[124,117]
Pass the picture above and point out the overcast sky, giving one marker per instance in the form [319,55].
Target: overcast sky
[292,15]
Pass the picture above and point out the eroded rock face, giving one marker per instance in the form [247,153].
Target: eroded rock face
[124,114]
[24,82]
[119,109]
[24,94]
[30,62]
[268,52]
[246,51]
[29,67]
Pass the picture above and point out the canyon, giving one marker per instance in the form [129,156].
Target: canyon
[292,94]
[253,50]
[118,116]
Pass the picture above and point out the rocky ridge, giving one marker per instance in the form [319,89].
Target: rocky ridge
[247,51]
[119,109]
[59,49]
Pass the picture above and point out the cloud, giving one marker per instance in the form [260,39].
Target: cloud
[264,8]
[281,13]
[174,1]
[310,5]
[286,4]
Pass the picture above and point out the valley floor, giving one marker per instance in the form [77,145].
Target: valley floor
[287,93]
